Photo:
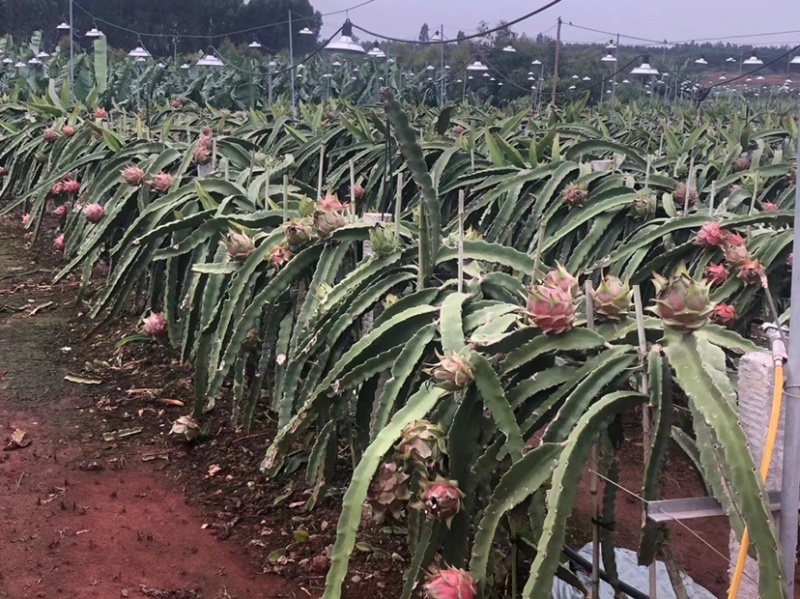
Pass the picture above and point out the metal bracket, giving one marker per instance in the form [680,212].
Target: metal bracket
[690,508]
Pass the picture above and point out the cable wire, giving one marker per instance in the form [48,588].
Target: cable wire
[506,25]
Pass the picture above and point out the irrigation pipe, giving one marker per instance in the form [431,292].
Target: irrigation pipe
[778,356]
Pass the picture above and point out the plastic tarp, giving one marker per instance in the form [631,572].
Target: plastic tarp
[631,573]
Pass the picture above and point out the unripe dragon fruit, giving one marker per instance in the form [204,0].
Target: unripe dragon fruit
[239,246]
[67,131]
[734,239]
[769,207]
[2,172]
[382,238]
[574,195]
[100,114]
[61,210]
[388,492]
[551,309]
[644,205]
[358,192]
[57,189]
[736,255]
[307,207]
[176,104]
[742,163]
[58,243]
[279,256]
[453,372]
[71,187]
[450,583]
[682,196]
[682,303]
[559,278]
[458,130]
[202,155]
[297,232]
[161,182]
[422,445]
[94,213]
[469,235]
[612,298]
[326,222]
[133,176]
[206,131]
[26,219]
[750,272]
[155,326]
[717,274]
[711,235]
[723,314]
[50,135]
[441,499]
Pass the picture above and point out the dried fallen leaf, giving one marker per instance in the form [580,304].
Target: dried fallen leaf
[121,434]
[172,402]
[18,440]
[212,470]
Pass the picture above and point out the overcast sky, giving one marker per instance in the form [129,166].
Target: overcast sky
[655,19]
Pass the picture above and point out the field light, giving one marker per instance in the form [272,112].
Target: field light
[139,52]
[701,60]
[753,60]
[346,44]
[609,58]
[63,27]
[795,60]
[95,33]
[645,69]
[305,31]
[210,60]
[509,48]
[255,44]
[477,66]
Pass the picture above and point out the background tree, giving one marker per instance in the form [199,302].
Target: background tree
[424,33]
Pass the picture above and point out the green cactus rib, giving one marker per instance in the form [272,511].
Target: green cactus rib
[349,520]
[687,356]
[522,480]
[415,159]
[566,476]
[607,544]
[493,253]
[542,381]
[316,459]
[576,404]
[494,398]
[408,320]
[576,339]
[404,366]
[660,380]
[451,322]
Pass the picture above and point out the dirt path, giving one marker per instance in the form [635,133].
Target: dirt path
[81,517]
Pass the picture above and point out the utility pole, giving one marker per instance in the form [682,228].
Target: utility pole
[614,78]
[555,66]
[790,485]
[71,53]
[443,72]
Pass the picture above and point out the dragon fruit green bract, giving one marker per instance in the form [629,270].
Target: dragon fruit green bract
[422,445]
[453,372]
[388,492]
[297,233]
[682,303]
[612,298]
[239,246]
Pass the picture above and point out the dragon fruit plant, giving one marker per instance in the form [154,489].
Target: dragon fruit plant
[682,303]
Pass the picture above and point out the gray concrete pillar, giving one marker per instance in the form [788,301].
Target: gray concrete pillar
[756,378]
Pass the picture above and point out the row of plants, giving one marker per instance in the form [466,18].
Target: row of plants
[470,348]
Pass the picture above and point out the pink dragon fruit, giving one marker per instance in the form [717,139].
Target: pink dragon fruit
[736,255]
[723,314]
[388,492]
[422,445]
[61,210]
[458,130]
[133,176]
[161,182]
[176,104]
[239,246]
[733,239]
[559,278]
[26,219]
[751,271]
[682,303]
[453,372]
[682,196]
[328,221]
[155,326]
[94,213]
[716,274]
[769,207]
[441,499]
[450,583]
[279,256]
[67,131]
[100,114]
[574,195]
[711,235]
[50,135]
[551,309]
[71,187]
[358,192]
[59,243]
[330,203]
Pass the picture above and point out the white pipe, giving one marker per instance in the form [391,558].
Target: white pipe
[291,66]
[71,53]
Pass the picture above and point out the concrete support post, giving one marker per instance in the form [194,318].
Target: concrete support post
[756,379]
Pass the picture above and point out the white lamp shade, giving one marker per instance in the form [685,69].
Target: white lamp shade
[94,32]
[645,69]
[730,59]
[305,31]
[701,60]
[346,44]
[477,66]
[536,61]
[139,52]
[753,60]
[571,87]
[509,48]
[7,61]
[34,60]
[42,55]
[210,60]
[587,78]
[795,60]
[185,67]
[63,27]
[609,58]
[254,44]
[20,65]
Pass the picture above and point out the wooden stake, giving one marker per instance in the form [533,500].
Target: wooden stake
[595,476]
[398,206]
[321,168]
[353,186]
[711,199]
[688,187]
[213,154]
[285,198]
[460,240]
[644,387]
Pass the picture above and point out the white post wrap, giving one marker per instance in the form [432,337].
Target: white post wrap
[756,379]
[372,218]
